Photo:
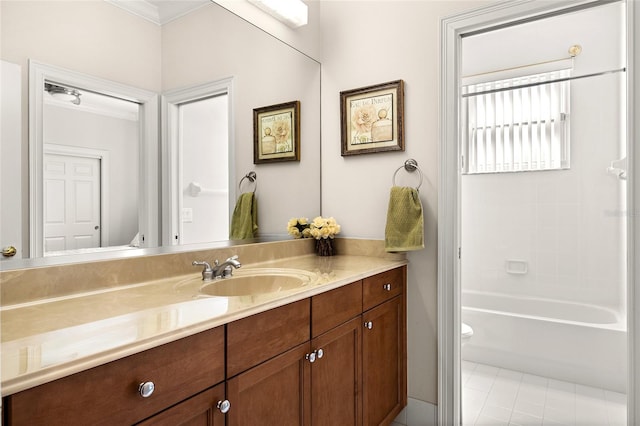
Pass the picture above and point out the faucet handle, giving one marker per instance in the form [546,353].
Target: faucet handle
[207,272]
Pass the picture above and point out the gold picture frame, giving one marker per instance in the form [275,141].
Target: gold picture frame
[372,118]
[276,133]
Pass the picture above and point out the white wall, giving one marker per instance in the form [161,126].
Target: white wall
[568,225]
[366,43]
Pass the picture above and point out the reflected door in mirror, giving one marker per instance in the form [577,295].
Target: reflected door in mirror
[72,202]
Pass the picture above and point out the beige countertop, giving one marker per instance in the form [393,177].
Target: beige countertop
[49,339]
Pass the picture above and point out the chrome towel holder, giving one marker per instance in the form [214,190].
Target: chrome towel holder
[252,177]
[410,166]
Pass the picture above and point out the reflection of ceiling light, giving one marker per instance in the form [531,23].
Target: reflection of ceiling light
[294,13]
[63,93]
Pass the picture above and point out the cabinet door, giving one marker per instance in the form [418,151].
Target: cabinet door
[275,392]
[199,410]
[336,385]
[384,362]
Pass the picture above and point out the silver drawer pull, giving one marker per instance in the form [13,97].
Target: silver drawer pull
[320,353]
[368,325]
[224,406]
[145,389]
[387,286]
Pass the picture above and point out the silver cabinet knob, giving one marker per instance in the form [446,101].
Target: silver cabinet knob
[387,286]
[311,357]
[320,353]
[224,406]
[145,389]
[368,325]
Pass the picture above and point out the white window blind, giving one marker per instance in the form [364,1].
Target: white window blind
[517,124]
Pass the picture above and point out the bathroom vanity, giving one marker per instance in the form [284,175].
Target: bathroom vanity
[331,353]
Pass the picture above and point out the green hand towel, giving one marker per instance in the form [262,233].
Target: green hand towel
[404,229]
[244,222]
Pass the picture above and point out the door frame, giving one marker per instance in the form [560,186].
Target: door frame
[449,289]
[172,151]
[148,190]
[103,157]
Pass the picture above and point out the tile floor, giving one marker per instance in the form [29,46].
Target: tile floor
[496,396]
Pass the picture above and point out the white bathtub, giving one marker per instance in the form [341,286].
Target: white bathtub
[575,342]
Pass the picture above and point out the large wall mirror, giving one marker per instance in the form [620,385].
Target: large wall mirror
[102,42]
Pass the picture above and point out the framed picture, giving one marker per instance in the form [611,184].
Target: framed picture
[372,118]
[276,133]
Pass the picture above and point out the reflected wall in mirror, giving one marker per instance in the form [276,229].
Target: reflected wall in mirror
[202,46]
[83,193]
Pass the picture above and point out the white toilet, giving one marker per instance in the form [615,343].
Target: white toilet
[467,333]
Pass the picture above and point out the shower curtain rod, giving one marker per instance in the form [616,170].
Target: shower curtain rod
[539,83]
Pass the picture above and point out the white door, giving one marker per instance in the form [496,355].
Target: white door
[72,202]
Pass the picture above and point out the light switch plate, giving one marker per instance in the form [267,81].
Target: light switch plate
[187,215]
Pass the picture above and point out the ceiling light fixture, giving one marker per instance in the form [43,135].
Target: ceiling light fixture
[63,93]
[293,13]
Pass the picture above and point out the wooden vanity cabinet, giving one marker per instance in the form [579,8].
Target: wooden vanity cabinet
[267,371]
[109,394]
[336,384]
[384,347]
[337,358]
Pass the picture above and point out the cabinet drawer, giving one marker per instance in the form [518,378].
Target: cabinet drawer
[383,286]
[109,395]
[201,409]
[330,309]
[259,337]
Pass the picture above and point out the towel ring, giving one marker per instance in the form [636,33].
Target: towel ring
[252,177]
[410,166]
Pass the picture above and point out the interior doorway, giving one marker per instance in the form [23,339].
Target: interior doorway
[199,164]
[80,113]
[451,250]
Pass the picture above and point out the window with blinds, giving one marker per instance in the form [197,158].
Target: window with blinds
[516,124]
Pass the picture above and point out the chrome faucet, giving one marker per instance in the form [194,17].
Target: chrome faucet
[224,270]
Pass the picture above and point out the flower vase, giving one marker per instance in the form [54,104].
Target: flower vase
[324,247]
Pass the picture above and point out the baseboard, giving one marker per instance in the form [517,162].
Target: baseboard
[417,413]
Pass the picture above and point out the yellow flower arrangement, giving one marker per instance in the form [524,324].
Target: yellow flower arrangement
[323,228]
[299,227]
[320,228]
